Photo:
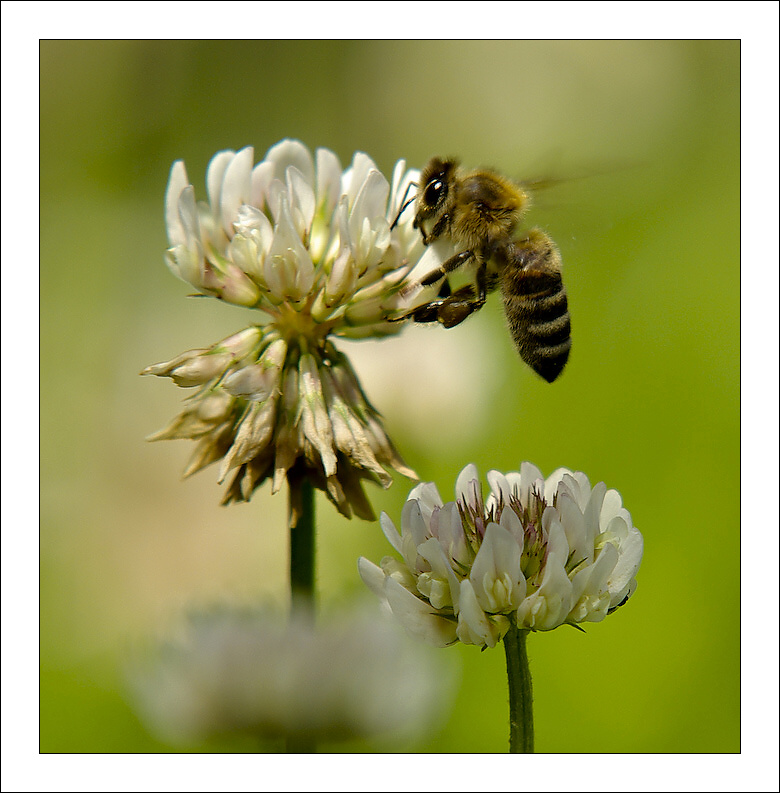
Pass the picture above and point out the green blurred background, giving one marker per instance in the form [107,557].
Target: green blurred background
[649,403]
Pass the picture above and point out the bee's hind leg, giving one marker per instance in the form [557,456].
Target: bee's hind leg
[454,308]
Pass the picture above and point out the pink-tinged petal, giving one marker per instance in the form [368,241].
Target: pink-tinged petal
[468,489]
[233,286]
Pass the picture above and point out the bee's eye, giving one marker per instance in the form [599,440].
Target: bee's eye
[435,190]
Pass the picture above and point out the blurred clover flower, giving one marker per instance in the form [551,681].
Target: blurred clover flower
[534,555]
[248,671]
[310,247]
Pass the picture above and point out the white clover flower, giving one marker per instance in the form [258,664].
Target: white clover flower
[249,671]
[535,554]
[311,248]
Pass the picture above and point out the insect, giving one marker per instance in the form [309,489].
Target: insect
[480,211]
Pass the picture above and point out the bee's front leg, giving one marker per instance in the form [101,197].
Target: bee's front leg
[439,228]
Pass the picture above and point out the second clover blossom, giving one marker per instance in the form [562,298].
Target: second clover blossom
[244,670]
[311,248]
[535,554]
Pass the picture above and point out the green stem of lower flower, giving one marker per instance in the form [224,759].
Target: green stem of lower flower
[302,582]
[521,715]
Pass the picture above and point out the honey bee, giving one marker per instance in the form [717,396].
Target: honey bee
[480,211]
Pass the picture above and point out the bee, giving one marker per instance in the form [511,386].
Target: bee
[480,211]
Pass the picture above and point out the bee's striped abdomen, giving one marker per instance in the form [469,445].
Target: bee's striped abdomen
[536,306]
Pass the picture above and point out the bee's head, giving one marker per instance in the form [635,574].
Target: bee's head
[435,194]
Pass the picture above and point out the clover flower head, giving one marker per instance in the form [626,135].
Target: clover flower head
[536,553]
[311,248]
[233,670]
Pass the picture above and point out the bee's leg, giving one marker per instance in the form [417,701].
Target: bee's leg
[464,301]
[482,284]
[428,312]
[450,310]
[458,260]
[404,203]
[460,304]
[453,309]
[439,228]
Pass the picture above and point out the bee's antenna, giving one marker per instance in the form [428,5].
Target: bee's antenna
[404,203]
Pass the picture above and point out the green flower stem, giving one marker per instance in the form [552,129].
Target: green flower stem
[302,551]
[521,715]
[302,582]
